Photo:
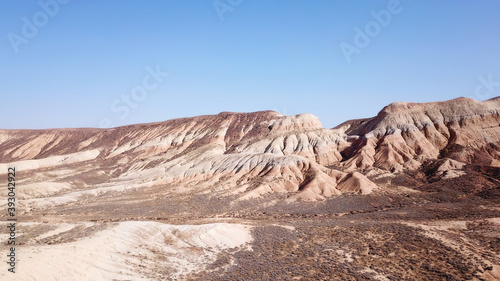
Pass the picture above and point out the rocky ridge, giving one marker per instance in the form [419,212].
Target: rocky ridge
[251,154]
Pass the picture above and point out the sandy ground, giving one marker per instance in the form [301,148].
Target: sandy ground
[131,250]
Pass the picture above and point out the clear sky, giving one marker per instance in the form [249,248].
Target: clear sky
[76,63]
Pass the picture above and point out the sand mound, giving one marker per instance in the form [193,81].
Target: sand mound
[127,251]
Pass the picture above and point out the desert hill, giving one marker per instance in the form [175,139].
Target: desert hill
[410,194]
[251,154]
[404,134]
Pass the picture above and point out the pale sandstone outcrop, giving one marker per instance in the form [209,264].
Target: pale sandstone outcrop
[461,129]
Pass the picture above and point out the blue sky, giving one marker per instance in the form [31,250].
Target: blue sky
[83,59]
